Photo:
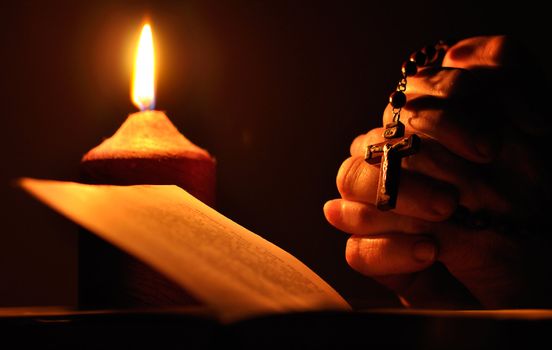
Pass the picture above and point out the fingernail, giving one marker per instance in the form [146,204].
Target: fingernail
[424,251]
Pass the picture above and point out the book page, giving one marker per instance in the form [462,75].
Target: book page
[231,269]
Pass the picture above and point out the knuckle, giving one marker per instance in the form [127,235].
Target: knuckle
[444,204]
[388,114]
[409,112]
[374,136]
[357,145]
[428,121]
[348,175]
[412,225]
[362,255]
[352,254]
[494,51]
[451,82]
[442,83]
[365,218]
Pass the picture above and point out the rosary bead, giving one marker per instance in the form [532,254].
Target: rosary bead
[419,58]
[409,68]
[389,153]
[397,99]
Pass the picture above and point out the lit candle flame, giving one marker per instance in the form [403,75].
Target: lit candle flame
[143,82]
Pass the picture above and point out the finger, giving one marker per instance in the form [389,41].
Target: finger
[488,263]
[442,82]
[361,142]
[461,135]
[475,193]
[365,219]
[439,108]
[420,196]
[479,52]
[505,66]
[431,146]
[438,125]
[433,288]
[436,161]
[390,254]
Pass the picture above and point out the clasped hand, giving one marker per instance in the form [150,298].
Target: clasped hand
[483,149]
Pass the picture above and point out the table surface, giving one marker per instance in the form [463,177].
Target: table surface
[197,328]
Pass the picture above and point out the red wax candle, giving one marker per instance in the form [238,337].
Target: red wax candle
[147,149]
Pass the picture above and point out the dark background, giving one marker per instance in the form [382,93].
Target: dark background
[275,90]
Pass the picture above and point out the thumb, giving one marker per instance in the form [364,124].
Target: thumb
[479,52]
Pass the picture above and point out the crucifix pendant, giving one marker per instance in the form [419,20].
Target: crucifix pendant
[389,154]
[396,146]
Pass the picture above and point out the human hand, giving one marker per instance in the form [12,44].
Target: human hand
[483,154]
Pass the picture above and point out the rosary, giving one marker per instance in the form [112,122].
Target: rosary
[396,146]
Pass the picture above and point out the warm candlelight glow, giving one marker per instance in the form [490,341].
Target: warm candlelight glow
[143,82]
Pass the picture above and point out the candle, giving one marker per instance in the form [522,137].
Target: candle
[146,149]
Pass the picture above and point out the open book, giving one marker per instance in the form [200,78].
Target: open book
[231,269]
